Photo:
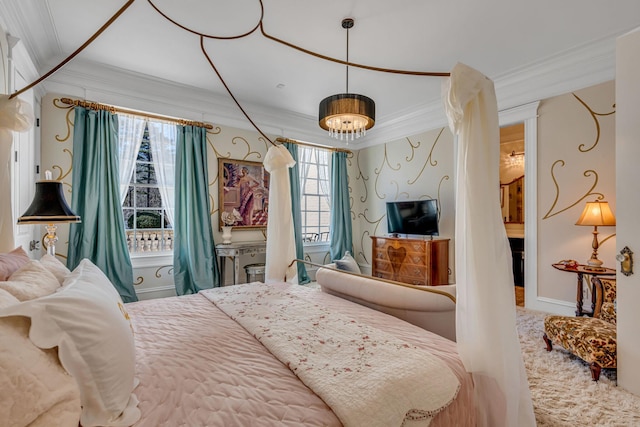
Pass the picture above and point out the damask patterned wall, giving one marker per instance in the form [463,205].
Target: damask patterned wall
[576,164]
[418,167]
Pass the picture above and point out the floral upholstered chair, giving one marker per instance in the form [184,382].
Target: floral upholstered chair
[593,339]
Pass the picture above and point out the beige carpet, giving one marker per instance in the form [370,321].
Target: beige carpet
[561,386]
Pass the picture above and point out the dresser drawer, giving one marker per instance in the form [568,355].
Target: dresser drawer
[380,254]
[382,266]
[413,271]
[413,261]
[417,248]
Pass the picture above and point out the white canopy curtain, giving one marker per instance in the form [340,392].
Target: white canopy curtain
[162,139]
[130,130]
[486,332]
[15,115]
[281,246]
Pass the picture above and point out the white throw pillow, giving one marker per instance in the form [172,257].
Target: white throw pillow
[31,281]
[12,261]
[347,263]
[55,267]
[87,320]
[6,299]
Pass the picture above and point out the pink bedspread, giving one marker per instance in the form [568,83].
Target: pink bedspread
[197,367]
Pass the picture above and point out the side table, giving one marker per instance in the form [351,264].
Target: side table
[234,251]
[581,271]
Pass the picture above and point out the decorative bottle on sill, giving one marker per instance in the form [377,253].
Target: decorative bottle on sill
[226,234]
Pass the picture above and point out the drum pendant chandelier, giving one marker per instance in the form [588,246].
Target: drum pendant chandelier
[347,115]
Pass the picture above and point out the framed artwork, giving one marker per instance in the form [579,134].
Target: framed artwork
[244,187]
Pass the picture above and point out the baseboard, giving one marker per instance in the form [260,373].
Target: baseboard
[549,305]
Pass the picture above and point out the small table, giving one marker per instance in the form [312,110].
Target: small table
[582,270]
[234,251]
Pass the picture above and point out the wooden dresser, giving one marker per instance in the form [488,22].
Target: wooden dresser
[413,261]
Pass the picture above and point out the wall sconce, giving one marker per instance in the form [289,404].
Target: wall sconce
[596,214]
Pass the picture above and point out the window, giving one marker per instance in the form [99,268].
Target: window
[315,187]
[145,219]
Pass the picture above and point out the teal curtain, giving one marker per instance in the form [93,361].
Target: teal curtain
[194,262]
[100,236]
[294,179]
[340,233]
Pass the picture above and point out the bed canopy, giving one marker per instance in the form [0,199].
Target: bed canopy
[487,339]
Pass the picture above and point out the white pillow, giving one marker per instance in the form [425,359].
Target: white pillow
[54,266]
[12,261]
[87,320]
[347,263]
[6,299]
[31,281]
[35,390]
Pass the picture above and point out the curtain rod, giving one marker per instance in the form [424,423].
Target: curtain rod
[112,109]
[310,144]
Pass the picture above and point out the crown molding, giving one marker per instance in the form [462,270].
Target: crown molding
[571,70]
[15,13]
[581,67]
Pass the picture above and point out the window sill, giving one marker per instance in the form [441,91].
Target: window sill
[151,259]
[316,246]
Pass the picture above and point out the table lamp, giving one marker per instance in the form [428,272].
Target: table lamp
[597,213]
[49,208]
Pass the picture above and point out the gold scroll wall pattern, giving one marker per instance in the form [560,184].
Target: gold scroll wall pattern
[405,169]
[589,176]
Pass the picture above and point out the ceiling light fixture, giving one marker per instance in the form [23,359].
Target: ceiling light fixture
[516,159]
[347,115]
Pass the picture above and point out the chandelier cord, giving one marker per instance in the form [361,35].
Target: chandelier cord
[347,66]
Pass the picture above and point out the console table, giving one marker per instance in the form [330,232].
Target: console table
[413,261]
[234,251]
[581,271]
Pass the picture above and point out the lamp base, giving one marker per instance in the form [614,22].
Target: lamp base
[50,239]
[594,264]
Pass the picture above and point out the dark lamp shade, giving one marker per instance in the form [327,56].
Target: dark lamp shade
[48,206]
[347,112]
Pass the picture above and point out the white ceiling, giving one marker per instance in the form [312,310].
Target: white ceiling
[531,49]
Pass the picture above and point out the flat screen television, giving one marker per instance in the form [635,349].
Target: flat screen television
[413,217]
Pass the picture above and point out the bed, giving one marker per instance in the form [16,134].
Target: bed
[213,359]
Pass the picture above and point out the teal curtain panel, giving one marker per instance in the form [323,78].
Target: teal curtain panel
[100,236]
[194,262]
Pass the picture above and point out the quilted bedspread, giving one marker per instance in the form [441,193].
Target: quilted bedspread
[198,367]
[368,377]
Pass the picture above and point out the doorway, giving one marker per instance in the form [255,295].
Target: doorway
[512,195]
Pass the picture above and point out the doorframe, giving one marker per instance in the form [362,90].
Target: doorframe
[528,113]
